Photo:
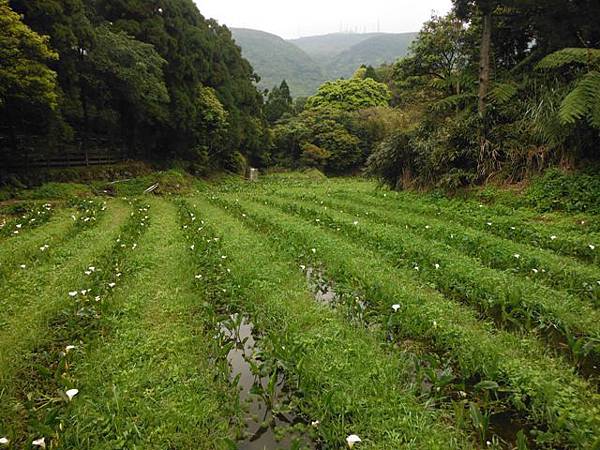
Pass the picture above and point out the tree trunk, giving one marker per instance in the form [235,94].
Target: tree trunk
[484,62]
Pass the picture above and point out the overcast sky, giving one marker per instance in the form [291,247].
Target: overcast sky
[296,18]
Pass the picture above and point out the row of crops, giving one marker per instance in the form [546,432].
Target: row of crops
[299,314]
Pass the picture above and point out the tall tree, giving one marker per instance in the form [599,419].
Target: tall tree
[28,87]
[24,55]
[279,102]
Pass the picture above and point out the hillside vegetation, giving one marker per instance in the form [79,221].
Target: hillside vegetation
[341,54]
[308,62]
[275,59]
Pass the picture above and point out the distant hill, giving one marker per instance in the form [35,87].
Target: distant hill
[275,59]
[309,61]
[327,46]
[374,51]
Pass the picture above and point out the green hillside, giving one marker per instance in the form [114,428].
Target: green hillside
[275,59]
[374,51]
[325,47]
[307,62]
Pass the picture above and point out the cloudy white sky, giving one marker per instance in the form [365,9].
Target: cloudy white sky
[296,18]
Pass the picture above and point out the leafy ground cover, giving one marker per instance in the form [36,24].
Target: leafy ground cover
[362,317]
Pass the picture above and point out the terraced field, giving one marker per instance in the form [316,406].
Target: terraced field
[298,313]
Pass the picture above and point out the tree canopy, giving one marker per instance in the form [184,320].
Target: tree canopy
[350,95]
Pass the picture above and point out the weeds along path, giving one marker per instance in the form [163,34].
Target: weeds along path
[38,307]
[563,407]
[582,245]
[342,376]
[32,217]
[544,266]
[31,284]
[20,250]
[39,245]
[508,299]
[152,380]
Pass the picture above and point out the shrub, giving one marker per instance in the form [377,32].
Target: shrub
[557,190]
[314,157]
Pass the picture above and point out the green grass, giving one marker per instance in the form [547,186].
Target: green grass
[341,377]
[457,323]
[150,382]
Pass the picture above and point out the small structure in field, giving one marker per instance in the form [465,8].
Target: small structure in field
[253,174]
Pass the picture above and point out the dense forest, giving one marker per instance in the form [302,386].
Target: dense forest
[154,79]
[496,89]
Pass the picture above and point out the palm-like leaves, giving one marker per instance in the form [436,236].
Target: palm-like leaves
[584,100]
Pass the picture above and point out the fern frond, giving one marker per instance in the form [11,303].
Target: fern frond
[453,101]
[582,100]
[569,56]
[502,93]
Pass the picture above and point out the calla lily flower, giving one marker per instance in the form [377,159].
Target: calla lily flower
[315,423]
[111,285]
[353,439]
[72,393]
[73,294]
[592,247]
[68,348]
[4,441]
[41,442]
[553,237]
[396,307]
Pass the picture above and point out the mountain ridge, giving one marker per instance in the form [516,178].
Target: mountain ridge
[307,62]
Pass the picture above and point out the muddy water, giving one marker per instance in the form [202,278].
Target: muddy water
[265,430]
[323,290]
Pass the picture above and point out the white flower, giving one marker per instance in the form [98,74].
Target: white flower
[223,257]
[111,285]
[553,237]
[352,439]
[396,307]
[97,298]
[4,441]
[88,272]
[355,222]
[315,423]
[427,227]
[592,247]
[72,393]
[23,266]
[437,266]
[41,442]
[73,294]
[19,225]
[513,228]
[534,270]
[516,255]
[92,269]
[489,224]
[192,247]
[435,324]
[314,250]
[68,348]
[198,277]
[302,267]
